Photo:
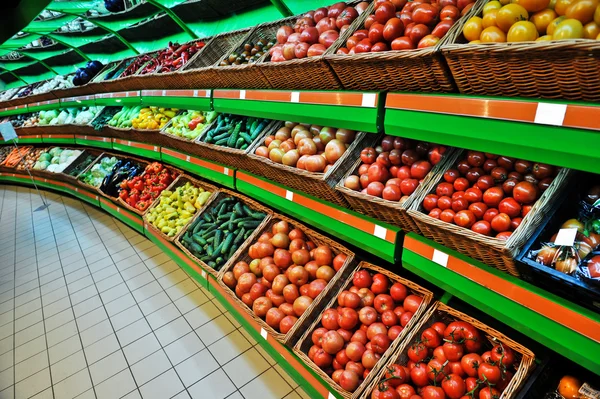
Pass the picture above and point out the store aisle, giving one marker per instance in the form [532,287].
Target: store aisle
[89,308]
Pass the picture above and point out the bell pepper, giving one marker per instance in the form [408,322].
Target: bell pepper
[142,205]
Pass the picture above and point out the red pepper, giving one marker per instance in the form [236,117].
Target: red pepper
[124,195]
[142,205]
[182,49]
[157,167]
[139,185]
[145,197]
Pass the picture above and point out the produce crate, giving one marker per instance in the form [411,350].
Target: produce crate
[224,193]
[25,99]
[303,346]
[321,185]
[318,304]
[233,157]
[182,144]
[113,85]
[181,180]
[132,82]
[561,284]
[59,175]
[106,130]
[142,162]
[446,314]
[394,212]
[200,73]
[103,155]
[557,69]
[98,154]
[492,251]
[309,73]
[11,168]
[249,76]
[395,70]
[35,152]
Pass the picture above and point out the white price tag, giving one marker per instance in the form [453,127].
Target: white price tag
[380,232]
[263,333]
[295,97]
[226,171]
[440,258]
[589,392]
[242,94]
[187,158]
[118,210]
[289,195]
[566,237]
[550,114]
[369,100]
[331,396]
[204,274]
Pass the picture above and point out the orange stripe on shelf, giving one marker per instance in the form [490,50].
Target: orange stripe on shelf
[262,184]
[93,138]
[520,111]
[227,94]
[136,144]
[33,136]
[179,93]
[553,311]
[207,165]
[152,93]
[198,161]
[58,136]
[331,98]
[172,153]
[260,95]
[583,117]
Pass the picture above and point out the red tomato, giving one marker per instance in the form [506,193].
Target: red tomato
[504,235]
[501,222]
[502,353]
[493,196]
[376,32]
[418,375]
[431,338]
[396,375]
[425,13]
[444,202]
[431,392]
[418,32]
[474,174]
[485,182]
[490,372]
[403,43]
[444,189]
[510,207]
[439,327]
[453,351]
[417,352]
[525,192]
[470,363]
[473,194]
[419,169]
[379,47]
[461,184]
[428,41]
[364,46]
[458,194]
[435,213]
[442,28]
[447,216]
[451,175]
[436,370]
[490,214]
[450,12]
[482,227]
[460,204]
[394,28]
[409,186]
[478,209]
[430,202]
[454,386]
[368,155]
[489,393]
[515,223]
[526,209]
[465,219]
[385,11]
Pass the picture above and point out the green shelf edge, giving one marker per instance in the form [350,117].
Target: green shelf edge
[77,104]
[381,248]
[139,227]
[50,140]
[217,177]
[27,141]
[119,102]
[539,328]
[107,145]
[45,107]
[191,103]
[141,152]
[544,143]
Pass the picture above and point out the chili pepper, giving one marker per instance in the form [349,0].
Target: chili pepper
[182,49]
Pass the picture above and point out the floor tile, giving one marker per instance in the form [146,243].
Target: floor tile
[116,386]
[6,360]
[31,366]
[73,386]
[143,347]
[33,384]
[202,315]
[246,367]
[196,367]
[165,385]
[92,318]
[32,347]
[216,386]
[150,367]
[59,319]
[155,303]
[68,366]
[133,331]
[64,349]
[172,331]
[184,348]
[215,329]
[126,317]
[228,347]
[96,333]
[30,333]
[269,385]
[87,306]
[120,304]
[163,316]
[61,333]
[191,301]
[101,348]
[106,367]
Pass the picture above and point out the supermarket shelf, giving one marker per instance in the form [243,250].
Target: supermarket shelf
[560,325]
[94,141]
[129,218]
[342,109]
[29,139]
[62,139]
[120,98]
[199,100]
[216,172]
[43,105]
[137,148]
[513,127]
[374,236]
[16,110]
[79,101]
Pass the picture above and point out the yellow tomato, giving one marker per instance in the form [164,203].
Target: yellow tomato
[591,30]
[489,19]
[472,29]
[504,2]
[552,27]
[522,31]
[597,15]
[545,38]
[568,29]
[475,42]
[582,10]
[542,19]
[493,34]
[552,4]
[510,14]
[532,5]
[561,6]
[492,5]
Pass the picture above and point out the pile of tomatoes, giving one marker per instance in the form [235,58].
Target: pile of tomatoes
[287,273]
[489,194]
[534,20]
[406,25]
[449,361]
[394,169]
[314,32]
[353,337]
[141,191]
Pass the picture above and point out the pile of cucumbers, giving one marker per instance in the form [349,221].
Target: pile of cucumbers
[215,236]
[235,131]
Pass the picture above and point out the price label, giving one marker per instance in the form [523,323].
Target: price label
[566,237]
[588,392]
[204,274]
[8,131]
[440,258]
[263,333]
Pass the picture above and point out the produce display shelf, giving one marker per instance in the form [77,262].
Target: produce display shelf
[555,132]
[16,110]
[570,330]
[43,105]
[29,139]
[137,148]
[94,141]
[84,195]
[129,218]
[376,237]
[341,109]
[199,100]
[213,171]
[79,101]
[120,98]
[63,139]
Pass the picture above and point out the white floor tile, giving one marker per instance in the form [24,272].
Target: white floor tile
[150,367]
[165,385]
[101,348]
[246,367]
[116,386]
[202,314]
[68,366]
[196,367]
[30,333]
[73,386]
[132,332]
[216,385]
[64,349]
[143,347]
[269,385]
[215,329]
[33,384]
[184,348]
[126,317]
[228,347]
[107,367]
[191,301]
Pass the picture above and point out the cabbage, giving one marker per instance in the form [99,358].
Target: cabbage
[55,151]
[37,165]
[44,165]
[44,156]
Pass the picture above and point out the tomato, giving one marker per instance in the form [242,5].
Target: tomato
[554,24]
[478,209]
[493,196]
[430,202]
[439,327]
[431,392]
[418,375]
[436,369]
[509,206]
[474,174]
[417,352]
[472,29]
[522,31]
[486,182]
[473,194]
[491,6]
[489,372]
[444,189]
[444,202]
[489,393]
[533,5]
[402,43]
[475,158]
[464,219]
[582,10]
[442,28]
[504,354]
[568,29]
[510,14]
[453,351]
[470,363]
[459,204]
[489,19]
[431,338]
[447,216]
[493,34]
[425,13]
[541,20]
[384,12]
[368,155]
[393,29]
[376,32]
[428,41]
[450,12]
[501,222]
[591,30]
[454,386]
[406,391]
[525,192]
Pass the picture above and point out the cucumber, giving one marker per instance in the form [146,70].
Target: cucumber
[197,227]
[238,209]
[217,251]
[239,238]
[218,237]
[224,216]
[246,137]
[209,251]
[227,243]
[212,264]
[250,224]
[196,248]
[221,142]
[198,239]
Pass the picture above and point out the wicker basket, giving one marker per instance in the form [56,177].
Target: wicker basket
[564,69]
[142,162]
[20,167]
[60,176]
[321,185]
[181,180]
[200,74]
[90,187]
[181,144]
[421,70]
[11,169]
[490,250]
[114,85]
[233,157]
[446,314]
[249,76]
[391,211]
[319,302]
[252,205]
[124,204]
[302,347]
[98,154]
[15,101]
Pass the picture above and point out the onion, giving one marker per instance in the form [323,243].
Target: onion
[290,158]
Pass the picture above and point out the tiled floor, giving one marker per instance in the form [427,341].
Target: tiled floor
[89,308]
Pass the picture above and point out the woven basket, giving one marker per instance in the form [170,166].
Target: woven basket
[408,70]
[321,185]
[98,154]
[113,85]
[560,69]
[61,176]
[25,99]
[135,210]
[490,250]
[200,74]
[142,162]
[181,144]
[391,211]
[303,346]
[446,314]
[229,156]
[320,301]
[249,76]
[255,206]
[20,167]
[4,167]
[104,154]
[181,180]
